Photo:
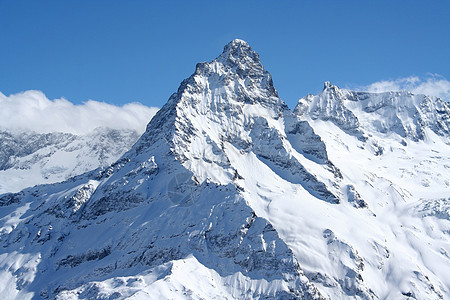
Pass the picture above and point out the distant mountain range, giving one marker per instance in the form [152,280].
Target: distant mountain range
[29,158]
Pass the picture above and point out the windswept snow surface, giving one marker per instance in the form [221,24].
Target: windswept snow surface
[231,195]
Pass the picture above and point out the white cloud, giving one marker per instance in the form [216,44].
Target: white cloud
[32,110]
[431,85]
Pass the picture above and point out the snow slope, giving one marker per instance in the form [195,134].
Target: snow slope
[230,194]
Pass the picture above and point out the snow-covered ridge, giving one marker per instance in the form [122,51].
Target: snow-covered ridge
[229,185]
[402,113]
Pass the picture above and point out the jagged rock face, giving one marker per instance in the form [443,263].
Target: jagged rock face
[29,158]
[229,194]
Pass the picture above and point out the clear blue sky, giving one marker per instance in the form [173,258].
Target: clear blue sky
[123,51]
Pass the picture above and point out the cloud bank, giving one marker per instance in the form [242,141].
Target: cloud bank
[431,85]
[32,110]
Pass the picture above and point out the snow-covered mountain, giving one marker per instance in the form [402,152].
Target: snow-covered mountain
[29,158]
[230,194]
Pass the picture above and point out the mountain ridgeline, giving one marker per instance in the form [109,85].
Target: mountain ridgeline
[231,195]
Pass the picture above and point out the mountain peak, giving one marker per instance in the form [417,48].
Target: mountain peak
[238,52]
[237,44]
[327,85]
